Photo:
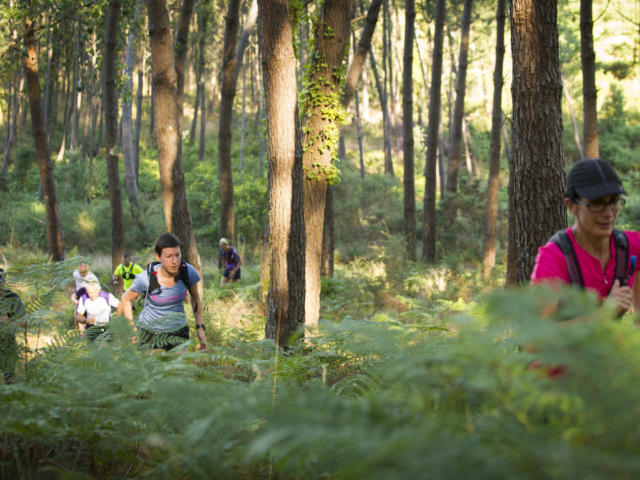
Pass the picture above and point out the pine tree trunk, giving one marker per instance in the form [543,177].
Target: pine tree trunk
[138,125]
[75,109]
[461,85]
[331,34]
[538,176]
[176,209]
[181,47]
[407,123]
[54,228]
[130,181]
[429,207]
[111,130]
[386,127]
[229,66]
[279,65]
[202,25]
[491,216]
[589,90]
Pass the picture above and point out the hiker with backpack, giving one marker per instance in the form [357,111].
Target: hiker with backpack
[81,278]
[165,284]
[593,254]
[94,309]
[229,259]
[127,270]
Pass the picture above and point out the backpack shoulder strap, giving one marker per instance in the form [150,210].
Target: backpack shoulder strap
[622,255]
[153,277]
[184,274]
[104,294]
[561,238]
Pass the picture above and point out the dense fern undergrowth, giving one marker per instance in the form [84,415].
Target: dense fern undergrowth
[400,381]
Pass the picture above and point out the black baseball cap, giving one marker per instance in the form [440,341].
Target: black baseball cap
[593,178]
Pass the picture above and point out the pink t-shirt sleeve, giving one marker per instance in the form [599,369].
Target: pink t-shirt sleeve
[550,265]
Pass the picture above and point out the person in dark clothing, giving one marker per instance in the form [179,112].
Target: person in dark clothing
[229,259]
[11,311]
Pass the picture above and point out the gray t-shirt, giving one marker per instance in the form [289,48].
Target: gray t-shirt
[164,309]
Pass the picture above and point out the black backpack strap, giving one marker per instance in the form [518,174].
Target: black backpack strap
[562,240]
[183,274]
[622,255]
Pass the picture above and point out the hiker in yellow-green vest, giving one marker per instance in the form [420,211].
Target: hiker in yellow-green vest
[127,270]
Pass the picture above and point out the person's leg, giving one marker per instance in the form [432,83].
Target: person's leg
[236,277]
[225,278]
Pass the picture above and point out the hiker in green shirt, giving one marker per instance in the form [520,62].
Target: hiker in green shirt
[127,270]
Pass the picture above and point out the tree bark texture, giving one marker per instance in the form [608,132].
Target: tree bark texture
[409,218]
[279,67]
[131,181]
[491,217]
[174,197]
[429,207]
[323,112]
[461,86]
[111,131]
[47,181]
[181,47]
[538,176]
[589,91]
[228,93]
[386,118]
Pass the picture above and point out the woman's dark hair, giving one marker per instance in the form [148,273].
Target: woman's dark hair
[166,240]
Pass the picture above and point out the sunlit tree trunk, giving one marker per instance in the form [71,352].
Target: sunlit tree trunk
[409,218]
[538,175]
[52,215]
[111,130]
[386,120]
[279,65]
[589,91]
[323,112]
[491,216]
[138,123]
[461,86]
[174,197]
[181,47]
[429,208]
[131,182]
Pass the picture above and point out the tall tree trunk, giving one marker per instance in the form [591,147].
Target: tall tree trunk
[138,123]
[111,130]
[538,176]
[130,181]
[12,119]
[324,112]
[429,208]
[229,65]
[407,123]
[243,116]
[203,124]
[176,209]
[491,216]
[54,228]
[47,85]
[202,28]
[181,46]
[360,137]
[75,109]
[278,61]
[461,85]
[589,91]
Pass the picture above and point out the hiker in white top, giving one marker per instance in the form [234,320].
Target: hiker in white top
[97,305]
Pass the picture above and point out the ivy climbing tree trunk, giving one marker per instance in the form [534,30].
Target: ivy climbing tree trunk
[111,131]
[324,115]
[279,67]
[589,91]
[538,163]
[47,181]
[429,207]
[174,197]
[491,216]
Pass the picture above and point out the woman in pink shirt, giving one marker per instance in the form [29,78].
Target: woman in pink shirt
[594,197]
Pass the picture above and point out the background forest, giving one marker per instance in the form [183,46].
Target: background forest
[414,366]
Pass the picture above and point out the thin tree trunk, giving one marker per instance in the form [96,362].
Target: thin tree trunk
[130,182]
[53,226]
[47,86]
[360,137]
[229,65]
[388,161]
[407,122]
[574,122]
[429,208]
[461,85]
[176,208]
[111,129]
[12,118]
[279,64]
[203,124]
[538,175]
[181,46]
[138,123]
[243,116]
[491,216]
[75,109]
[589,91]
